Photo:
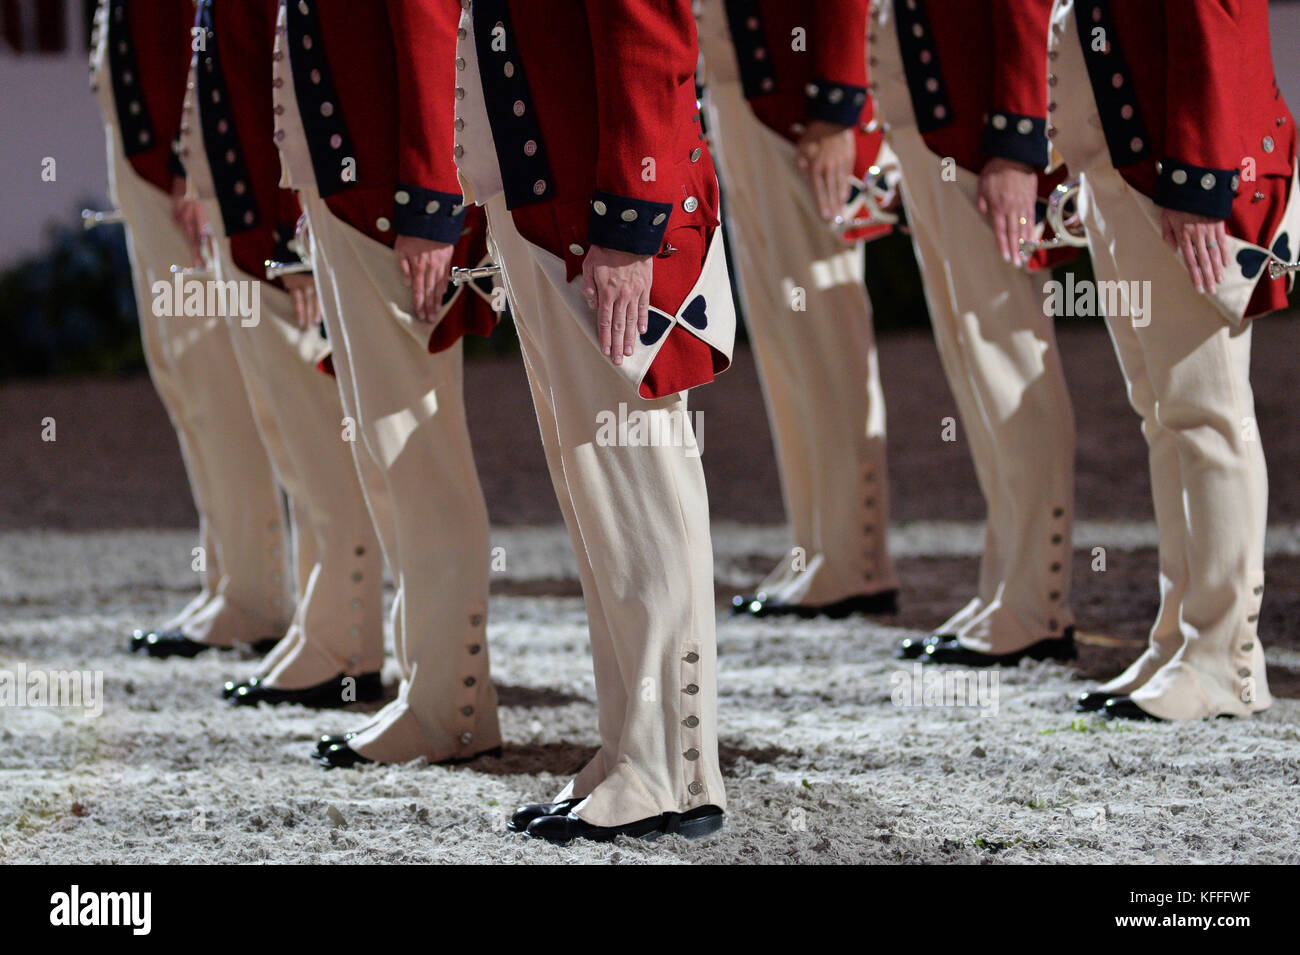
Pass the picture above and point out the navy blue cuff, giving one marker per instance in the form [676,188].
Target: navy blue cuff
[426,214]
[1016,137]
[836,103]
[627,225]
[1195,189]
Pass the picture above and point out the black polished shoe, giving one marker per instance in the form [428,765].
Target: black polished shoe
[1091,701]
[695,824]
[342,756]
[952,651]
[759,605]
[911,648]
[1123,707]
[162,644]
[535,810]
[229,688]
[328,695]
[331,739]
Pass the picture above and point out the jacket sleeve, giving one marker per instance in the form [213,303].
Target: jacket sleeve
[644,53]
[1199,172]
[428,200]
[838,46]
[1016,126]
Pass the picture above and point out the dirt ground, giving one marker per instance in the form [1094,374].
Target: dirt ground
[821,765]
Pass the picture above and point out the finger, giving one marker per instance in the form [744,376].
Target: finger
[1002,229]
[643,312]
[1170,236]
[1200,242]
[1214,253]
[1221,236]
[589,286]
[845,172]
[634,307]
[604,317]
[1189,259]
[618,327]
[418,289]
[295,296]
[314,313]
[406,269]
[983,205]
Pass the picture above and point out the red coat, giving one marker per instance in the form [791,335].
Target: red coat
[148,59]
[233,92]
[376,87]
[1196,104]
[967,104]
[825,79]
[598,142]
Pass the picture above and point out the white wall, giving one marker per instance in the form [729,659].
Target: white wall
[47,109]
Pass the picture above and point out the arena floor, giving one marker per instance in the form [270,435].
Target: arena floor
[821,764]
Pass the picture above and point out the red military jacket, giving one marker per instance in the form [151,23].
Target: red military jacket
[1189,104]
[596,128]
[233,91]
[802,62]
[967,103]
[375,86]
[148,59]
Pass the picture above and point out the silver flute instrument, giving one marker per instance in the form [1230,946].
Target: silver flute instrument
[91,218]
[1278,269]
[461,276]
[1063,217]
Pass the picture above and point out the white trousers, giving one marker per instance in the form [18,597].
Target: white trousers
[639,520]
[816,359]
[412,451]
[999,353]
[337,626]
[1188,375]
[193,366]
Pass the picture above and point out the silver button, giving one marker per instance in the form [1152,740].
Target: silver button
[692,657]
[691,204]
[576,249]
[460,62]
[382,225]
[599,207]
[999,121]
[1136,144]
[1208,181]
[518,107]
[629,215]
[695,788]
[336,141]
[1269,145]
[402,197]
[467,710]
[659,219]
[692,689]
[692,754]
[474,649]
[530,148]
[539,187]
[696,153]
[466,738]
[1179,177]
[1025,127]
[470,681]
[691,721]
[476,620]
[302,5]
[508,69]
[459,150]
[460,92]
[432,207]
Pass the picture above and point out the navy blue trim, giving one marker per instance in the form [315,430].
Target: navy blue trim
[230,176]
[412,217]
[1017,137]
[516,133]
[921,64]
[839,103]
[327,135]
[1126,132]
[642,235]
[124,73]
[757,76]
[1184,187]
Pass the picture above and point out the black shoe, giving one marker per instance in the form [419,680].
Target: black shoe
[884,601]
[342,756]
[911,648]
[162,644]
[535,810]
[952,651]
[328,695]
[703,821]
[1092,701]
[264,646]
[229,688]
[330,739]
[1123,707]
